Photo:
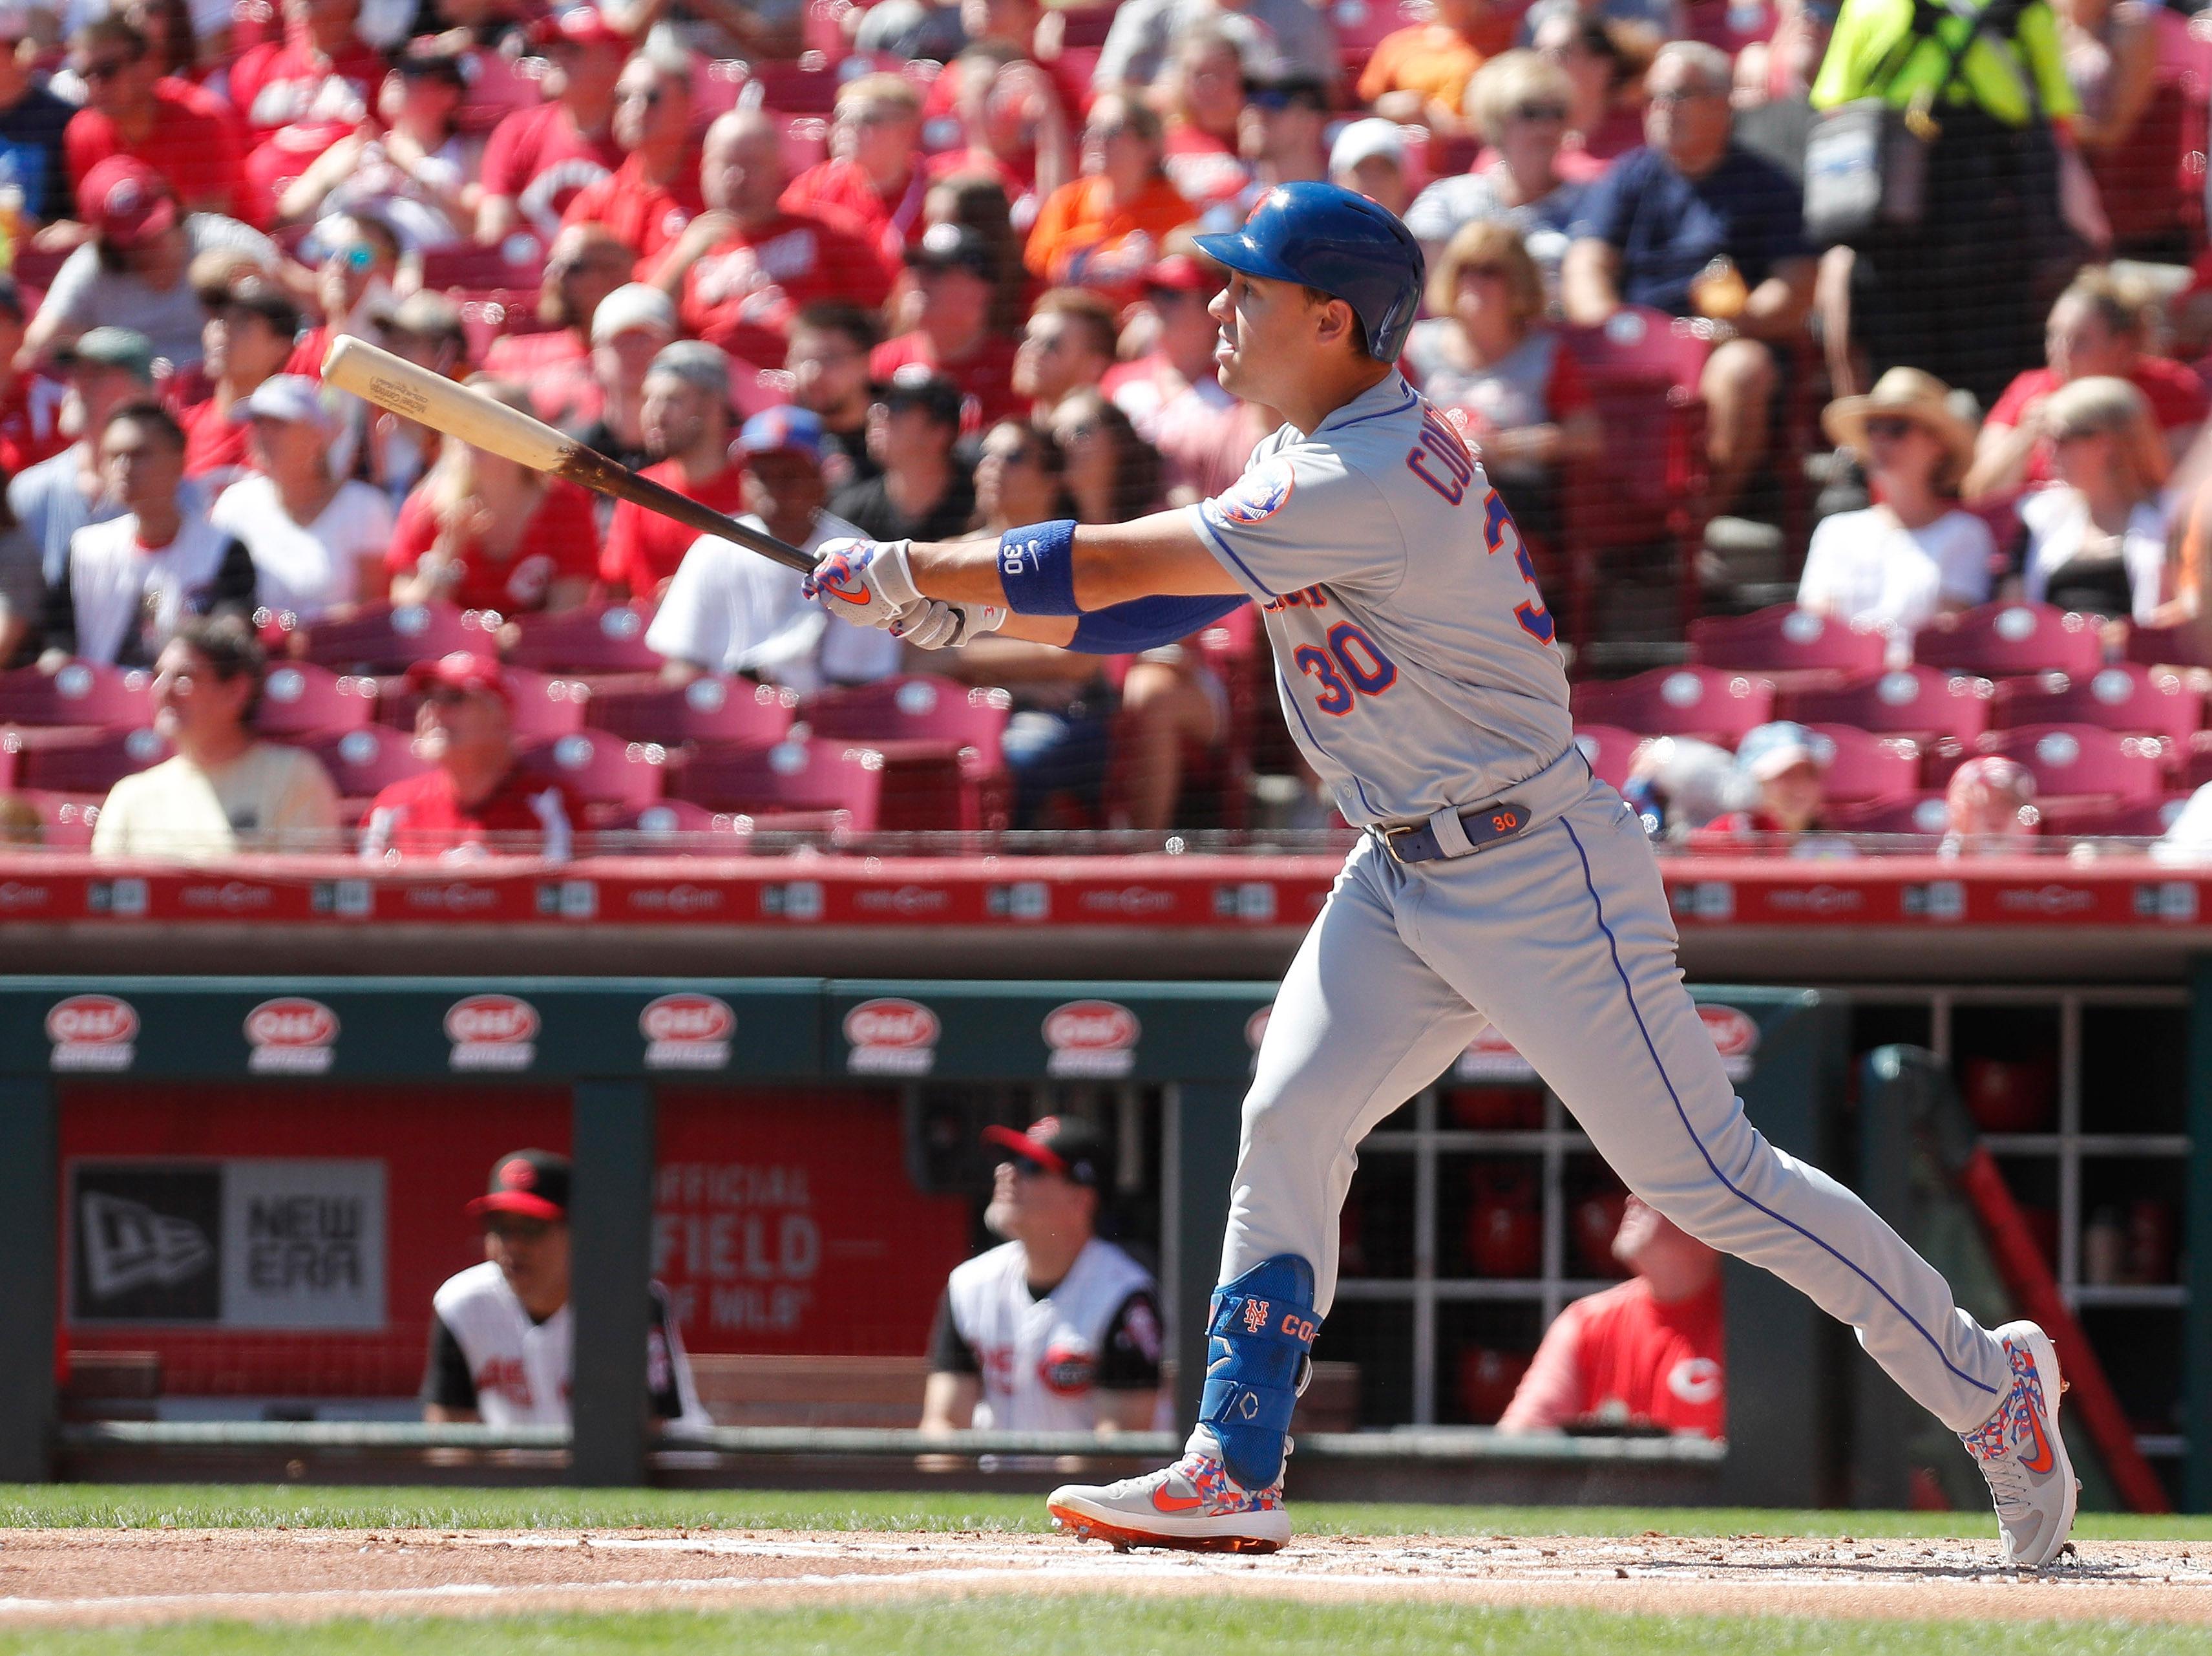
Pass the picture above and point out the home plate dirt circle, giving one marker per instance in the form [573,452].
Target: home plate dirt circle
[93,1577]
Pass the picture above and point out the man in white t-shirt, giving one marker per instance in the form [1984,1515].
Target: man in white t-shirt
[501,1335]
[126,583]
[727,610]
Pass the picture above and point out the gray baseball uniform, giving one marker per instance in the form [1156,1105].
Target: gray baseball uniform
[1415,661]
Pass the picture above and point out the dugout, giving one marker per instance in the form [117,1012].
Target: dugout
[287,1159]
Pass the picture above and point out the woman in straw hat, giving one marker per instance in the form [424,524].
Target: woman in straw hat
[1916,554]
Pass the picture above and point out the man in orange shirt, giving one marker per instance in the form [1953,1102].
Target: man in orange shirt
[131,109]
[649,199]
[686,423]
[1647,1353]
[1420,72]
[879,184]
[1106,228]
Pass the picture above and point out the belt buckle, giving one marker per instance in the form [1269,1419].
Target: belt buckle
[1391,834]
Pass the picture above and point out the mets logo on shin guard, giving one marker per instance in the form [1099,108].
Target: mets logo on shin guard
[1259,494]
[1255,1316]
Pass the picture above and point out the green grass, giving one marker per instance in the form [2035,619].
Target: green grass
[1045,1625]
[201,1506]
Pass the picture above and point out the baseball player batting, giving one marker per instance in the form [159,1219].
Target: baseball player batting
[1497,881]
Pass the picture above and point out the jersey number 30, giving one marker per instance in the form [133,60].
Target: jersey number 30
[1351,662]
[1440,441]
[1500,535]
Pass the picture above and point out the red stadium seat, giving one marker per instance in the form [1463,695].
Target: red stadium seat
[716,83]
[795,88]
[363,762]
[918,707]
[2144,820]
[2178,646]
[1914,813]
[2008,640]
[466,265]
[1916,702]
[298,698]
[65,820]
[2080,762]
[1086,24]
[65,761]
[598,767]
[804,140]
[1793,647]
[1861,767]
[2196,760]
[593,638]
[1610,750]
[1692,700]
[390,637]
[809,774]
[77,693]
[2150,702]
[545,705]
[734,712]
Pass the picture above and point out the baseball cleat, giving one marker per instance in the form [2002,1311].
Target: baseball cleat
[2022,1455]
[1194,1506]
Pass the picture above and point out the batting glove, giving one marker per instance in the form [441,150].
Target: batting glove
[867,582]
[935,624]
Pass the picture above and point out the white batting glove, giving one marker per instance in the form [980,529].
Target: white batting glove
[935,624]
[866,581]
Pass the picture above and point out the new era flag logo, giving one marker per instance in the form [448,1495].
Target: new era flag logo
[128,1246]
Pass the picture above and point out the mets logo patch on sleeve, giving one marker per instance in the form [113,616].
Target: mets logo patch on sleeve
[1258,494]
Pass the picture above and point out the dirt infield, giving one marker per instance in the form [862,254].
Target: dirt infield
[90,1577]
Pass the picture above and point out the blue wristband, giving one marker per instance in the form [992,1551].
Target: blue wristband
[1036,566]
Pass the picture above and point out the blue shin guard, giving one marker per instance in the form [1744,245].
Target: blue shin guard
[1261,1328]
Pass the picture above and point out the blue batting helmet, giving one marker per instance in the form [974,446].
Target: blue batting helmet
[1320,236]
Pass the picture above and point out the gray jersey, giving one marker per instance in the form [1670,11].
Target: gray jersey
[1413,652]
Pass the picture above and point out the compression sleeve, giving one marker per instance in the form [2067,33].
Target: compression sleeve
[1144,623]
[446,1377]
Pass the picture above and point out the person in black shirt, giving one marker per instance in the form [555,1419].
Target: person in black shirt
[922,494]
[31,123]
[828,362]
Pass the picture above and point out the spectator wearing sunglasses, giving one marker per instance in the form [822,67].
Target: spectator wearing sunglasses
[251,327]
[170,127]
[649,200]
[358,263]
[407,164]
[1521,103]
[301,93]
[1918,555]
[1420,72]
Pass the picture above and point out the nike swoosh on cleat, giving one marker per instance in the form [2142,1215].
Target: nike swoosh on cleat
[2041,1460]
[1164,1502]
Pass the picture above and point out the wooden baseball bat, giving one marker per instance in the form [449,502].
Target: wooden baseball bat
[482,422]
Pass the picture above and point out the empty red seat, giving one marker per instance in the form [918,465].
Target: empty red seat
[593,638]
[1912,813]
[543,705]
[1610,750]
[919,708]
[466,265]
[1916,702]
[363,762]
[2077,761]
[2009,640]
[801,774]
[1791,646]
[2150,701]
[1859,766]
[2141,819]
[2182,645]
[390,637]
[1691,701]
[597,766]
[298,697]
[77,693]
[710,710]
[76,761]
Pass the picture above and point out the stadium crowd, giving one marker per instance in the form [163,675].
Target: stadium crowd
[918,268]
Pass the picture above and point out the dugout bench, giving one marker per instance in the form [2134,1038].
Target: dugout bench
[611,1042]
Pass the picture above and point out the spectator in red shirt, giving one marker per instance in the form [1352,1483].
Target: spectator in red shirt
[1172,394]
[954,277]
[353,284]
[251,327]
[29,406]
[1647,1353]
[648,199]
[538,159]
[131,110]
[2095,331]
[752,260]
[1067,347]
[1007,121]
[1202,89]
[477,799]
[300,94]
[585,265]
[873,180]
[483,532]
[687,426]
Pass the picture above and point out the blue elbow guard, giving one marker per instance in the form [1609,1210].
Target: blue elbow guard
[1145,624]
[1261,1328]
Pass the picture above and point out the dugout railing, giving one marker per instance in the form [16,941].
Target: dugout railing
[1788,1367]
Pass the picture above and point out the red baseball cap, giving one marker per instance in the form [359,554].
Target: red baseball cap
[1180,273]
[125,201]
[531,1183]
[578,25]
[462,670]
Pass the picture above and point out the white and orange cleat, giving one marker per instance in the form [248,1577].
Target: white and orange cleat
[2022,1455]
[1194,1506]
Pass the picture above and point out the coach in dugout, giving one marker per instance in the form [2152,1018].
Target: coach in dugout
[1645,1354]
[501,1333]
[1057,1330]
